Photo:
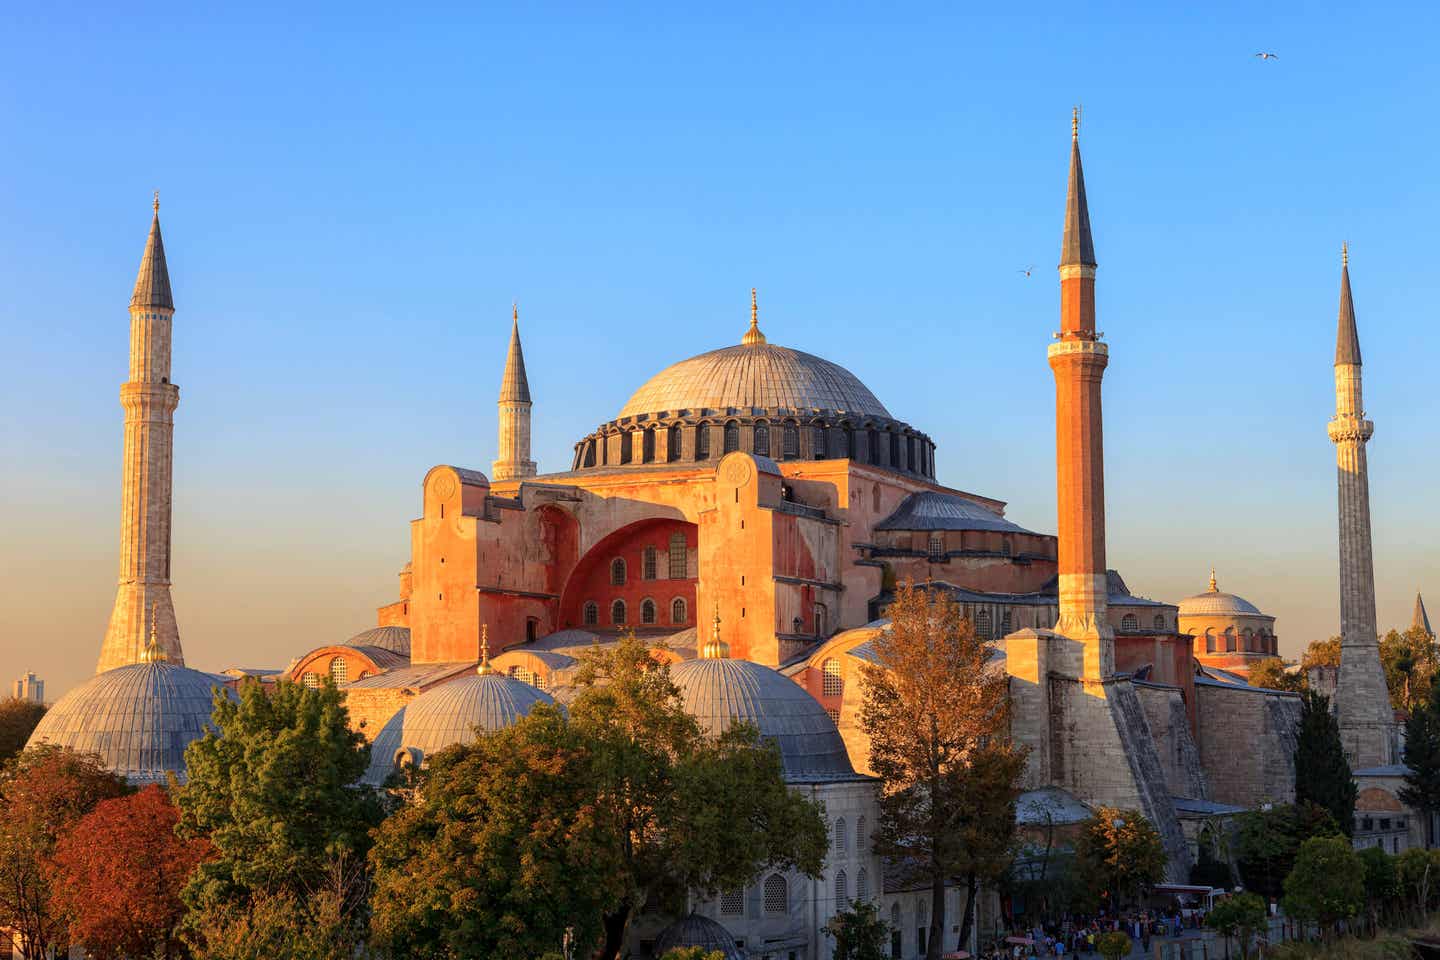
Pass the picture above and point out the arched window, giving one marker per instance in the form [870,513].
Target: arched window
[702,442]
[1159,621]
[833,683]
[897,936]
[862,885]
[1006,624]
[937,545]
[820,620]
[617,572]
[790,443]
[1005,547]
[1209,641]
[872,445]
[910,453]
[842,891]
[875,498]
[860,837]
[649,563]
[647,447]
[841,840]
[589,453]
[678,611]
[732,436]
[1247,645]
[647,610]
[337,670]
[677,556]
[617,613]
[894,450]
[311,680]
[627,447]
[523,675]
[673,453]
[732,903]
[983,628]
[1229,639]
[777,894]
[817,442]
[590,615]
[762,439]
[1130,622]
[846,439]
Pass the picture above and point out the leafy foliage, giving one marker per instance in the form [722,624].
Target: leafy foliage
[937,716]
[1121,853]
[1267,842]
[1327,884]
[118,873]
[1271,673]
[1322,774]
[1409,661]
[1240,915]
[859,933]
[18,719]
[44,791]
[276,794]
[1321,653]
[1422,757]
[1113,945]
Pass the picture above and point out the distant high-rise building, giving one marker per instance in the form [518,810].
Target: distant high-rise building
[30,687]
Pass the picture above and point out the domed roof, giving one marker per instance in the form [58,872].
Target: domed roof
[719,692]
[394,639]
[1215,603]
[755,374]
[449,714]
[697,931]
[139,718]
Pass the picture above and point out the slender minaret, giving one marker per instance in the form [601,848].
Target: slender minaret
[1421,620]
[1362,701]
[149,400]
[514,461]
[1078,358]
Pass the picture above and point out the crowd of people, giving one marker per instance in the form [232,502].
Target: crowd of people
[1076,936]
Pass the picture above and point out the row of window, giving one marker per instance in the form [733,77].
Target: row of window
[840,838]
[675,557]
[1248,643]
[1131,623]
[619,615]
[339,672]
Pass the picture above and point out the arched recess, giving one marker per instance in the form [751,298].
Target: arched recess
[560,540]
[591,576]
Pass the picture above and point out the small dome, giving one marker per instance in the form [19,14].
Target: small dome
[755,374]
[1214,603]
[450,714]
[722,691]
[394,639]
[139,718]
[698,931]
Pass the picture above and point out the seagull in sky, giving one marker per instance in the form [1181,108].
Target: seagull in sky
[1027,270]
[1268,56]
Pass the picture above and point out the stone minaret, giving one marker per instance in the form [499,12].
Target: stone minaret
[1078,358]
[1362,702]
[1421,620]
[142,603]
[514,461]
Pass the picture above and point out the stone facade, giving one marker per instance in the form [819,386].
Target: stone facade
[1263,770]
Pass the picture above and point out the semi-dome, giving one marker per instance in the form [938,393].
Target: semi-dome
[1216,603]
[755,375]
[394,639]
[697,931]
[448,714]
[720,692]
[139,718]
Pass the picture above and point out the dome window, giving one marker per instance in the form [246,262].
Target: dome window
[833,684]
[617,613]
[984,627]
[1159,621]
[937,545]
[650,563]
[311,680]
[894,450]
[617,572]
[647,611]
[673,452]
[732,437]
[677,556]
[590,453]
[817,442]
[627,447]
[790,442]
[820,620]
[590,615]
[647,447]
[846,439]
[1006,624]
[872,445]
[338,670]
[777,894]
[1130,623]
[732,903]
[702,442]
[762,439]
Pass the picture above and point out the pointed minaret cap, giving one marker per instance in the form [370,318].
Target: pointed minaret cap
[152,283]
[484,669]
[1347,339]
[153,652]
[1421,619]
[753,335]
[715,648]
[1213,587]
[514,386]
[1077,248]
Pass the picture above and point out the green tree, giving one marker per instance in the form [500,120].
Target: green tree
[859,933]
[1409,662]
[937,715]
[1382,883]
[1267,842]
[1422,760]
[1418,878]
[1322,774]
[18,719]
[1113,945]
[1272,673]
[276,793]
[44,792]
[1321,653]
[1241,916]
[1120,853]
[1327,884]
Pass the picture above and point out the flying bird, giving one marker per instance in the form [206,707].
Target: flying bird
[1268,56]
[1027,270]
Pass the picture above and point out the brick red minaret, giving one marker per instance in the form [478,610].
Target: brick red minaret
[1078,358]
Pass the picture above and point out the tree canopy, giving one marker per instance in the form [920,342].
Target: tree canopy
[1327,884]
[1321,653]
[1409,661]
[1120,853]
[1322,774]
[18,719]
[1240,915]
[859,933]
[1272,673]
[1268,840]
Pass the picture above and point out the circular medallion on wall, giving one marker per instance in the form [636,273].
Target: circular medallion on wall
[737,472]
[444,486]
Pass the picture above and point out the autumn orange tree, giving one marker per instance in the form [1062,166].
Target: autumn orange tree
[117,875]
[43,792]
[937,714]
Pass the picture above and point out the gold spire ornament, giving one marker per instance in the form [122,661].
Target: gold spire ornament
[715,649]
[753,335]
[1213,587]
[1075,123]
[484,669]
[1345,253]
[153,652]
[157,201]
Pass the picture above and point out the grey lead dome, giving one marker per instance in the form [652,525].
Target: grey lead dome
[139,718]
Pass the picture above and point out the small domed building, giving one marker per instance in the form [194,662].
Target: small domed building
[1231,633]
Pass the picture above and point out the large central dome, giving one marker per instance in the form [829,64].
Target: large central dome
[755,374]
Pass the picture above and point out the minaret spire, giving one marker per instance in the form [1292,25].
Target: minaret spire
[1362,702]
[514,410]
[1421,620]
[149,400]
[1077,246]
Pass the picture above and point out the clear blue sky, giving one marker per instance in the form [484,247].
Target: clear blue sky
[352,197]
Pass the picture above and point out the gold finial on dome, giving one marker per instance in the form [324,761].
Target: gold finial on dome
[715,649]
[1213,587]
[157,201]
[1344,253]
[753,335]
[1075,123]
[153,652]
[484,669]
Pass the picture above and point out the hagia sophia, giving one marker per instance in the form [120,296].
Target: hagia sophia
[752,511]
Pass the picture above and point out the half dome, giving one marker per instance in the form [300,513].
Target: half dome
[394,639]
[139,718]
[755,375]
[721,692]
